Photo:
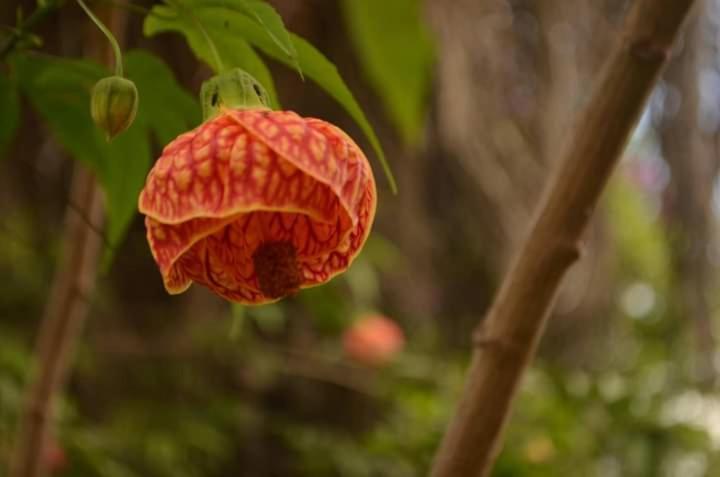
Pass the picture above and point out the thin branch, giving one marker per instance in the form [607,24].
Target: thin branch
[63,318]
[65,312]
[508,338]
[40,14]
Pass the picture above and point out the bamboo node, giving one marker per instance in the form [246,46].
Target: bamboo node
[482,340]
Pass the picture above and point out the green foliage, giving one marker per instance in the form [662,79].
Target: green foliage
[417,401]
[638,233]
[233,49]
[396,53]
[194,400]
[14,363]
[166,109]
[325,74]
[267,18]
[59,89]
[233,30]
[9,110]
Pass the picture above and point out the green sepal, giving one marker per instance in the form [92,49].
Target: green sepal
[234,89]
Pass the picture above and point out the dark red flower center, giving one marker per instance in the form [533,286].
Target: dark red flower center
[277,269]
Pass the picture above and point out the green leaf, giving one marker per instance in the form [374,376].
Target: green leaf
[166,108]
[227,23]
[125,166]
[266,17]
[59,89]
[324,73]
[396,52]
[9,110]
[233,50]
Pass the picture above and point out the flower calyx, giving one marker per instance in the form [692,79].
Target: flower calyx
[233,89]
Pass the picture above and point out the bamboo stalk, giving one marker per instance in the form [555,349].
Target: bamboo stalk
[507,339]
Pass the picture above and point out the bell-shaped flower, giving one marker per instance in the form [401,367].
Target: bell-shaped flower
[256,204]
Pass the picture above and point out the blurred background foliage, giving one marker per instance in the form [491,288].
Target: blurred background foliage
[471,101]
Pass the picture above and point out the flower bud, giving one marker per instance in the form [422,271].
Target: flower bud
[114,104]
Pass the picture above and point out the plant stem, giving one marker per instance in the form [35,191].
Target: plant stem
[108,34]
[65,312]
[63,318]
[507,339]
[35,17]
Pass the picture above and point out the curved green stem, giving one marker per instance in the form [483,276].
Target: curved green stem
[109,35]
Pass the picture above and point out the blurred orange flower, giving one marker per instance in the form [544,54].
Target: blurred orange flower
[373,339]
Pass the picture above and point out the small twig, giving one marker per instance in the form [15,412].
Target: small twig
[30,22]
[521,307]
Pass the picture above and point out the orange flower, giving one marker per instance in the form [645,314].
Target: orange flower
[373,339]
[256,204]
